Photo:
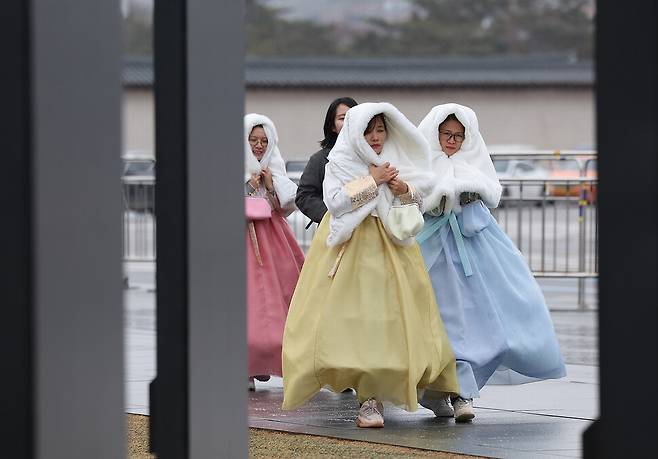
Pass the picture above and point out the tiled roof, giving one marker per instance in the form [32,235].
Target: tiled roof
[137,72]
[552,70]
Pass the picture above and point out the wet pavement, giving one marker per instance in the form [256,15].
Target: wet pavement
[578,336]
[544,419]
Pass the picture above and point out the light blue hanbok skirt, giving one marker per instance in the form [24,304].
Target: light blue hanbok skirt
[492,307]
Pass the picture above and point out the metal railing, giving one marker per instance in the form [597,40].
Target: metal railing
[553,221]
[138,218]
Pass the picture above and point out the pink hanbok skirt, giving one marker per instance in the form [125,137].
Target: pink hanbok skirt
[274,261]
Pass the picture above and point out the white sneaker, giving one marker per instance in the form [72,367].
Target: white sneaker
[440,406]
[251,385]
[371,414]
[463,409]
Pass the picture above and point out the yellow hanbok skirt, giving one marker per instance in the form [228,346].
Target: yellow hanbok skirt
[374,326]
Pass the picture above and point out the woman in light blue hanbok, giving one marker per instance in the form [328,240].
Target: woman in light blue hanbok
[493,309]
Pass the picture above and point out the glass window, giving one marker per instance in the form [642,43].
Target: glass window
[501,165]
[524,167]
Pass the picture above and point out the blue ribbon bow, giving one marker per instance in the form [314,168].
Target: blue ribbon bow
[433,224]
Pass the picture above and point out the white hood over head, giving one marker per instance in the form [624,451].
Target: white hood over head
[405,149]
[470,169]
[284,187]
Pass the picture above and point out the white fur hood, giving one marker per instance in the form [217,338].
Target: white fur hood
[284,187]
[470,169]
[405,149]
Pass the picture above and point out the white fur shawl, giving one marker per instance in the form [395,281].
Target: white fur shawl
[404,148]
[284,187]
[471,168]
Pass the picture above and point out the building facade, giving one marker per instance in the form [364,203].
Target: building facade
[544,102]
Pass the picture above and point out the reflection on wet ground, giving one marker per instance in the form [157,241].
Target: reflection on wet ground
[577,333]
[544,419]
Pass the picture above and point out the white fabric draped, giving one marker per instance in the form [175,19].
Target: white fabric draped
[468,170]
[405,149]
[284,187]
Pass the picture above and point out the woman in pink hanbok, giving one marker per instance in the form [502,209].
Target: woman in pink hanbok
[274,259]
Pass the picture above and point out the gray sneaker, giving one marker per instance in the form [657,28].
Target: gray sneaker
[371,414]
[440,406]
[463,409]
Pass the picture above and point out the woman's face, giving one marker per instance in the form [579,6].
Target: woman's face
[377,136]
[451,136]
[258,142]
[340,117]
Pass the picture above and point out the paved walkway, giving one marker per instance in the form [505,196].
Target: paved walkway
[544,419]
[538,420]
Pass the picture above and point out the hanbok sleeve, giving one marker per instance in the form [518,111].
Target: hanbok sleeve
[341,199]
[440,209]
[248,189]
[411,197]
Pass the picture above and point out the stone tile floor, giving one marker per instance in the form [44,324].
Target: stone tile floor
[543,419]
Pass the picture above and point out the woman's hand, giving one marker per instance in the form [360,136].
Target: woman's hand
[398,187]
[254,181]
[384,173]
[267,179]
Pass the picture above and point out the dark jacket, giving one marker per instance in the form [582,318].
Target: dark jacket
[309,191]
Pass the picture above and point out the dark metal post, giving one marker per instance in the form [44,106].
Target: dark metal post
[16,282]
[198,400]
[169,390]
[627,102]
[61,289]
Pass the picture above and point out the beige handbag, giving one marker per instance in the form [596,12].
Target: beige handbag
[405,221]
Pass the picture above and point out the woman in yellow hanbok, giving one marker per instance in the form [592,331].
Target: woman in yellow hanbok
[364,315]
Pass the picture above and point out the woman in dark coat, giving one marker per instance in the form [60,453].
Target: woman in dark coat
[309,191]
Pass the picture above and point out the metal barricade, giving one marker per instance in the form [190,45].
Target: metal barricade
[557,235]
[299,222]
[138,218]
[552,220]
